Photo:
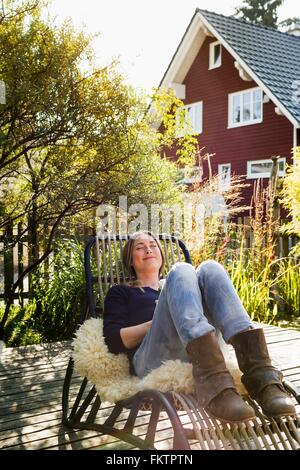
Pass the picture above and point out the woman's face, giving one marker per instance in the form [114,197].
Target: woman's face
[146,256]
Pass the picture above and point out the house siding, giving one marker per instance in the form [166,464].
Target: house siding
[274,136]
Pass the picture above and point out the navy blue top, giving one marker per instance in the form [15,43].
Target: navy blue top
[126,306]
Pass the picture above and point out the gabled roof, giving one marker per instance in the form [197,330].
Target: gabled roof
[270,57]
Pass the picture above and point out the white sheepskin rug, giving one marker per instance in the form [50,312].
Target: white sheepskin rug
[110,372]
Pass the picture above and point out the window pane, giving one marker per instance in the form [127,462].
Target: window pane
[257,168]
[225,173]
[246,106]
[224,177]
[196,174]
[257,102]
[256,110]
[198,118]
[193,174]
[281,165]
[236,108]
[189,114]
[257,95]
[217,55]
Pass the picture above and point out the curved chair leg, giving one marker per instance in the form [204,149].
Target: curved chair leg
[66,391]
[79,417]
[159,402]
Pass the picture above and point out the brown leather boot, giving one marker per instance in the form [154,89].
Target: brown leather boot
[261,379]
[215,387]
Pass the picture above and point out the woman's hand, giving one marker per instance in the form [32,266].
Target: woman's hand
[132,336]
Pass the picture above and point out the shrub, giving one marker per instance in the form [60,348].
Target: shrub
[59,291]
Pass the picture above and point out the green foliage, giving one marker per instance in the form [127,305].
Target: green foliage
[19,328]
[59,292]
[268,289]
[73,134]
[262,12]
[267,286]
[254,289]
[215,232]
[72,137]
[270,295]
[288,283]
[290,198]
[168,111]
[293,22]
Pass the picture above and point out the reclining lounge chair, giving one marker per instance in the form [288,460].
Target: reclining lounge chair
[138,420]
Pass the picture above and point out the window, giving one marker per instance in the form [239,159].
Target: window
[263,168]
[245,107]
[193,115]
[191,174]
[215,55]
[224,174]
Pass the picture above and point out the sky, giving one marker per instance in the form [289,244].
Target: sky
[143,34]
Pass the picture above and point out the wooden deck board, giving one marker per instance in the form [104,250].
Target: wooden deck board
[31,380]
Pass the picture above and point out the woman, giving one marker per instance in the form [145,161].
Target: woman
[191,306]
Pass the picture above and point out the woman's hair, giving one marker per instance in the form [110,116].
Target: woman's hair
[127,256]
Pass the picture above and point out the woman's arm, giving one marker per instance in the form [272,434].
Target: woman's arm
[133,335]
[115,317]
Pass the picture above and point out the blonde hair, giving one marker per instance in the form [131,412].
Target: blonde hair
[127,257]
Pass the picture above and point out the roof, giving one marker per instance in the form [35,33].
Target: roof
[269,56]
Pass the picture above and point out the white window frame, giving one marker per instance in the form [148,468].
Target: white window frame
[212,61]
[251,175]
[182,132]
[224,185]
[251,121]
[187,178]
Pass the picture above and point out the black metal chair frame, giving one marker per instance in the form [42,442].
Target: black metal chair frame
[86,408]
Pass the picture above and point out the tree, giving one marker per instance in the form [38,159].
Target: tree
[262,12]
[72,135]
[289,23]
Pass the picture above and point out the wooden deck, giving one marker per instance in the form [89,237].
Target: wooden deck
[31,381]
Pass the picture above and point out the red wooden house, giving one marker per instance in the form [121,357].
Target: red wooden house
[240,84]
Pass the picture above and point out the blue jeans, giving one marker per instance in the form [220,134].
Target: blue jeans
[192,303]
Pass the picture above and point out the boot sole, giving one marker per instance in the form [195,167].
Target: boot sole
[282,415]
[227,421]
